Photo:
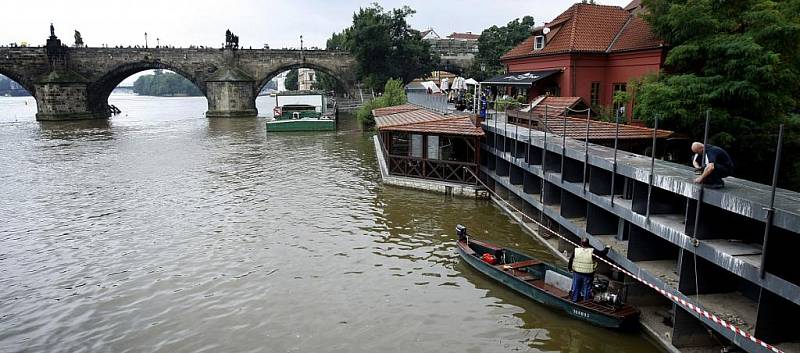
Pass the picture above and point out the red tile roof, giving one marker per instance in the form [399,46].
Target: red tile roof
[576,127]
[636,35]
[464,36]
[555,105]
[590,28]
[394,109]
[426,121]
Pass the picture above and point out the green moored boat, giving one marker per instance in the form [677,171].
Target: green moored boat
[302,111]
[542,282]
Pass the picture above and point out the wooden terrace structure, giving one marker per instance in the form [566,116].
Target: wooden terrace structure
[419,143]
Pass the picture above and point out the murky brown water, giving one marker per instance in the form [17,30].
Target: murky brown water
[165,231]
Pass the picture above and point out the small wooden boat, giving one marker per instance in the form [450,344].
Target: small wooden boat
[542,282]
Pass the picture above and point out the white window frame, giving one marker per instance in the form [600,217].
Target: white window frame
[538,42]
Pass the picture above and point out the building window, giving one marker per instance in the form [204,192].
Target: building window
[538,43]
[416,145]
[433,147]
[595,93]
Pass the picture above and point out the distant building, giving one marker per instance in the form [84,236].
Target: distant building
[280,81]
[430,34]
[306,79]
[589,51]
[457,49]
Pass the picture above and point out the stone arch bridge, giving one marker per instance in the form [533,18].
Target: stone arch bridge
[75,83]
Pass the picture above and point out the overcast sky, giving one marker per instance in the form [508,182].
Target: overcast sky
[278,23]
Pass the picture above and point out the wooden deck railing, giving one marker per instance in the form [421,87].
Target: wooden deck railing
[451,171]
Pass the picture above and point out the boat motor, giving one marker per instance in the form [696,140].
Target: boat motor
[461,231]
[605,295]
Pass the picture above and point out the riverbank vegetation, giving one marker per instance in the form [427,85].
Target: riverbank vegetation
[165,84]
[739,60]
[292,82]
[385,46]
[393,94]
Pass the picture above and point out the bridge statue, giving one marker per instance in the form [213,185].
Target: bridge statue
[231,40]
[52,30]
[78,39]
[75,83]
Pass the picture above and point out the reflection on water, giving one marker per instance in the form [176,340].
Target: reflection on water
[161,230]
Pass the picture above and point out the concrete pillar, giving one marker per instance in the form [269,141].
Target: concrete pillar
[62,96]
[231,94]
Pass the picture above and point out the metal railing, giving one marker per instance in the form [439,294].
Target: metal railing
[435,102]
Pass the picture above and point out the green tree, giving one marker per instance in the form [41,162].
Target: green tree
[337,41]
[326,82]
[165,84]
[291,82]
[496,41]
[741,60]
[393,94]
[385,46]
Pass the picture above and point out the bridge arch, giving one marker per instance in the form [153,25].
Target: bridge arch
[101,89]
[343,80]
[22,80]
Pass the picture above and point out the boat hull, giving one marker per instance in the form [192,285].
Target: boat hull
[301,125]
[537,294]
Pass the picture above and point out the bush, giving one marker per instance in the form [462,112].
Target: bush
[502,104]
[393,94]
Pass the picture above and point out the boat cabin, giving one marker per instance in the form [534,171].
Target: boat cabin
[296,111]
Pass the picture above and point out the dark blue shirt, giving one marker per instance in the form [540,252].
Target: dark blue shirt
[718,156]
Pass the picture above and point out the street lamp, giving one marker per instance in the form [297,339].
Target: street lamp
[301,42]
[145,39]
[158,42]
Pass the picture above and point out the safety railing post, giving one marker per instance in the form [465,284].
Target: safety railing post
[586,150]
[652,168]
[700,192]
[614,166]
[563,147]
[544,158]
[771,209]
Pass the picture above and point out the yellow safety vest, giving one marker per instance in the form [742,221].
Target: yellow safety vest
[582,262]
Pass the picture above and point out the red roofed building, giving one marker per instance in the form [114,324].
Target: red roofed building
[597,49]
[464,36]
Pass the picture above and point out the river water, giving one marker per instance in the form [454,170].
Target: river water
[161,230]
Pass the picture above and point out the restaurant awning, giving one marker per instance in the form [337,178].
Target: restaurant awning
[520,78]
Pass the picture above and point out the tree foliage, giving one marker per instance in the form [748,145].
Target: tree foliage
[496,41]
[326,82]
[292,80]
[393,94]
[741,60]
[385,46]
[165,84]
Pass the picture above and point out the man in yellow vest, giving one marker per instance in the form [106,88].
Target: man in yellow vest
[582,266]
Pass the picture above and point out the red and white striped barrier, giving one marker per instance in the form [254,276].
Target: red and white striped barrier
[670,296]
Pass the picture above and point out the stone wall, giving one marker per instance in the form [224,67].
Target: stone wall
[61,101]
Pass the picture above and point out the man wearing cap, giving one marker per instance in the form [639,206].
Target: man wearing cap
[582,265]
